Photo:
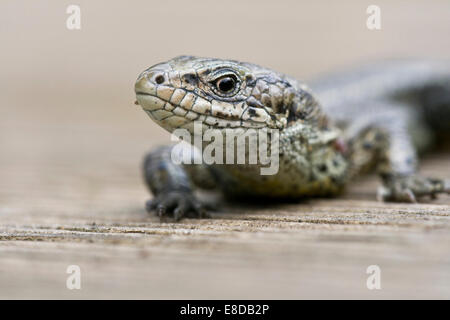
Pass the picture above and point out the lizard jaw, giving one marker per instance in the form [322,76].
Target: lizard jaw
[177,107]
[171,117]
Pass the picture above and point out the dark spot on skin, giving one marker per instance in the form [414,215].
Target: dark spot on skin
[304,109]
[367,145]
[286,84]
[302,115]
[226,116]
[386,177]
[268,103]
[294,113]
[278,106]
[251,82]
[191,79]
[252,111]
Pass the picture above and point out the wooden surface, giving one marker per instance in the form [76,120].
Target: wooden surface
[72,141]
[317,249]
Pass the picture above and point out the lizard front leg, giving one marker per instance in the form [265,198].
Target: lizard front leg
[383,142]
[172,185]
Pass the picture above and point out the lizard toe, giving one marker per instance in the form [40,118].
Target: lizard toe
[177,205]
[409,188]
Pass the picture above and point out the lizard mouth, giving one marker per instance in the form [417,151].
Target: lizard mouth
[178,108]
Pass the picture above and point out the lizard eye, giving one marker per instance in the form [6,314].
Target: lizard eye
[226,84]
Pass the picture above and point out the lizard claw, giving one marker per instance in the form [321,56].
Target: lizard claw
[178,204]
[409,188]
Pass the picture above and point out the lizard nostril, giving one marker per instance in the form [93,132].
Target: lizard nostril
[159,79]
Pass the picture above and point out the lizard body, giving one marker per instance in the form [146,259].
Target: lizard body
[346,124]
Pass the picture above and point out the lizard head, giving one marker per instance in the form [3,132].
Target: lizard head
[223,94]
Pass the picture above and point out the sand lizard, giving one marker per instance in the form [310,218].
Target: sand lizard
[378,117]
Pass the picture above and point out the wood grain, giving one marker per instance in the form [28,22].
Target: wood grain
[88,210]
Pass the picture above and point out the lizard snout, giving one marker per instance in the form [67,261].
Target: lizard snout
[148,80]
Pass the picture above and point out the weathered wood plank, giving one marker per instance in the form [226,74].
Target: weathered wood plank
[320,248]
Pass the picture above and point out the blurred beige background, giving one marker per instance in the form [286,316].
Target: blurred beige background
[51,76]
[54,80]
[71,142]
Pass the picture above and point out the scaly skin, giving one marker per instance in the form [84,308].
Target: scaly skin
[370,111]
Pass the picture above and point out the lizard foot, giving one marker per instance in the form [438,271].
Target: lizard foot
[178,204]
[409,188]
